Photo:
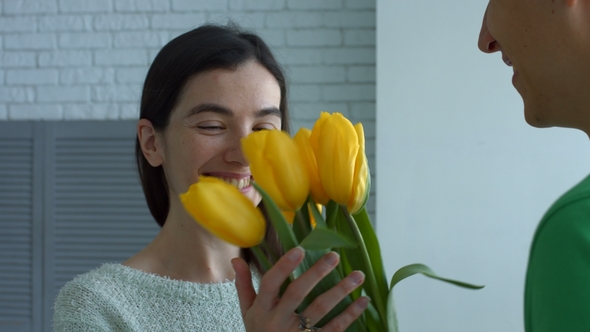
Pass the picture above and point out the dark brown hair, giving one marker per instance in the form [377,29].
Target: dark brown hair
[204,48]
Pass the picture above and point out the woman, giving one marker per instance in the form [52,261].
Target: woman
[206,89]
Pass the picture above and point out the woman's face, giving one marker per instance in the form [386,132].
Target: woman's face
[216,110]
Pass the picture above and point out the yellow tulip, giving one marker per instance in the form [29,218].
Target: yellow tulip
[225,212]
[277,166]
[307,154]
[315,131]
[361,184]
[342,164]
[337,150]
[290,215]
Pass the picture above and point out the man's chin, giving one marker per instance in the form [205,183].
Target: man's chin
[535,122]
[534,117]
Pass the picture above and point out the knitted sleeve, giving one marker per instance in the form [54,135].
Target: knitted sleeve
[77,308]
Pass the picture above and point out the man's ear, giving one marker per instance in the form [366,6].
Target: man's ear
[150,142]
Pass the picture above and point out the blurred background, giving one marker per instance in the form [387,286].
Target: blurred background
[459,179]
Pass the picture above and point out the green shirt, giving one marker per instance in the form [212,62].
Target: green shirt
[557,291]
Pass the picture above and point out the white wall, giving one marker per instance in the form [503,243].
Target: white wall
[463,180]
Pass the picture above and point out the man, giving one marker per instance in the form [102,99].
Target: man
[547,42]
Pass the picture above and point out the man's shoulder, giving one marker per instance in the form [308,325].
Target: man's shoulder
[580,193]
[565,228]
[572,209]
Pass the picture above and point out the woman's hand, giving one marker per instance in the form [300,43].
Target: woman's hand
[267,312]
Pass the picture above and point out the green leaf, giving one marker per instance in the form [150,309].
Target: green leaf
[391,314]
[286,236]
[373,321]
[301,223]
[410,270]
[373,248]
[323,238]
[370,284]
[319,219]
[345,268]
[350,259]
[332,211]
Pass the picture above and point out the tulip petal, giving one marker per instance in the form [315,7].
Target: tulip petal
[290,173]
[225,212]
[316,130]
[361,185]
[337,150]
[289,216]
[302,140]
[277,167]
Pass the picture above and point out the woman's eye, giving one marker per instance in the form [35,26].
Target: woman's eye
[209,127]
[264,127]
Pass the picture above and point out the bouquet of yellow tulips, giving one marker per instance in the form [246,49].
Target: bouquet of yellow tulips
[325,167]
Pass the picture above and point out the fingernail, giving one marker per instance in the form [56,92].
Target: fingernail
[331,258]
[295,254]
[363,302]
[357,277]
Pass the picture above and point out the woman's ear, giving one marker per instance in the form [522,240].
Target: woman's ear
[151,142]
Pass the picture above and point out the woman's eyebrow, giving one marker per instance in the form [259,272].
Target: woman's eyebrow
[215,108]
[268,111]
[208,107]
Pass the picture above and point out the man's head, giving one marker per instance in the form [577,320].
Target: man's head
[547,42]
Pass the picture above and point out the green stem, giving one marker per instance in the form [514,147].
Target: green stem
[371,281]
[319,219]
[305,223]
[331,214]
[261,257]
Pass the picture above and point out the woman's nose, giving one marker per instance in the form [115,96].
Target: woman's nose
[234,152]
[486,42]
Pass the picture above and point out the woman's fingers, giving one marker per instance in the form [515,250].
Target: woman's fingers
[342,321]
[267,312]
[300,287]
[272,280]
[246,292]
[322,305]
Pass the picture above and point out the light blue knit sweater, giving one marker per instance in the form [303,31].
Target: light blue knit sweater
[114,297]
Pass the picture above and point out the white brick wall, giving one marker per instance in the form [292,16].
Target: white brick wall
[86,59]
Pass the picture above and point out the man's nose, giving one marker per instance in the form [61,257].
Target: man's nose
[486,42]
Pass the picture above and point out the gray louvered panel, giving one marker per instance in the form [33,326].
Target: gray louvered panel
[16,160]
[100,212]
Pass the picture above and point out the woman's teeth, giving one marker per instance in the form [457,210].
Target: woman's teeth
[241,183]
